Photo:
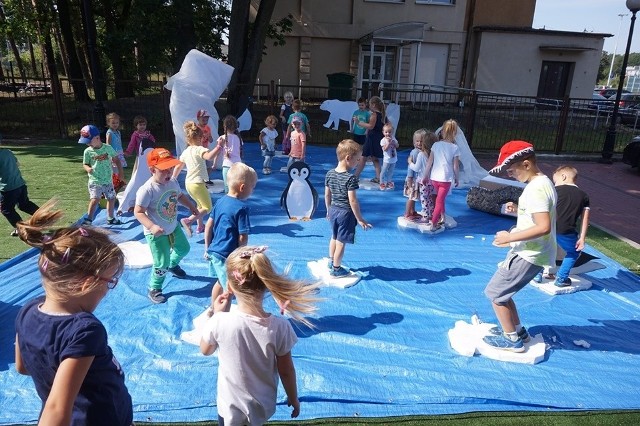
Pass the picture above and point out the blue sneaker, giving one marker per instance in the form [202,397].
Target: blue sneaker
[562,283]
[339,272]
[538,278]
[523,334]
[503,343]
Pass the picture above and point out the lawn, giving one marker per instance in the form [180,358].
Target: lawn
[54,168]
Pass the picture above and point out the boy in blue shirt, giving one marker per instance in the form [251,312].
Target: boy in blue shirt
[361,114]
[228,225]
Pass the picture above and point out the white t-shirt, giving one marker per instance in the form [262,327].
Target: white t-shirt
[269,138]
[161,203]
[389,155]
[196,165]
[232,149]
[420,165]
[247,370]
[538,196]
[443,155]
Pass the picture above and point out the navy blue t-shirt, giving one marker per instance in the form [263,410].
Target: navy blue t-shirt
[46,340]
[230,219]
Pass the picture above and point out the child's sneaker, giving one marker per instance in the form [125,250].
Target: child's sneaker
[208,182]
[265,171]
[87,222]
[383,187]
[562,283]
[200,229]
[114,221]
[177,271]
[522,334]
[538,278]
[503,343]
[156,296]
[391,186]
[339,272]
[14,233]
[186,225]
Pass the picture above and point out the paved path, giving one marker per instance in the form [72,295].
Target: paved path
[614,192]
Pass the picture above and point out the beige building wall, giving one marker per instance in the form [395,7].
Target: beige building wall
[517,69]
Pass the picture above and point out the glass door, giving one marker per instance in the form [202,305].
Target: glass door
[376,68]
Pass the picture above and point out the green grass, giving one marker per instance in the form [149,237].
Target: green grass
[55,168]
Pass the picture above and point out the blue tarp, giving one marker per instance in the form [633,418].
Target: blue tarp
[380,348]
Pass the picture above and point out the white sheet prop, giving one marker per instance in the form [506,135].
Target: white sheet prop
[136,255]
[199,83]
[217,187]
[424,226]
[471,172]
[368,185]
[577,284]
[244,121]
[466,339]
[139,175]
[320,270]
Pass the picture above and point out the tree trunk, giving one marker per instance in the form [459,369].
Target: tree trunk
[114,25]
[76,79]
[32,57]
[14,48]
[90,32]
[245,51]
[185,30]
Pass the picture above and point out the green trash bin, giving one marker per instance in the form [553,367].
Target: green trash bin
[340,84]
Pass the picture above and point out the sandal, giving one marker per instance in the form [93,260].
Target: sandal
[375,180]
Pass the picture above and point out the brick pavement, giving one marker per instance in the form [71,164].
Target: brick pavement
[614,191]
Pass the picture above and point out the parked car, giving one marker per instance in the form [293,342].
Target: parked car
[630,116]
[610,92]
[600,103]
[631,153]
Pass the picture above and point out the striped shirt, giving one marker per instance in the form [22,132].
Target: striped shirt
[340,183]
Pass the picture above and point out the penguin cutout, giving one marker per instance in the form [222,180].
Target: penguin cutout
[299,198]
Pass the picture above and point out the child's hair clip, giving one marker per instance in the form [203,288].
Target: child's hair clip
[83,232]
[65,256]
[246,254]
[238,277]
[283,306]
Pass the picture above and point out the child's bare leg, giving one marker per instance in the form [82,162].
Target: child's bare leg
[91,210]
[409,209]
[507,315]
[376,166]
[111,204]
[338,252]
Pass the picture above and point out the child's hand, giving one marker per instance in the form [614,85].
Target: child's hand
[222,302]
[511,207]
[90,171]
[295,403]
[364,224]
[502,239]
[156,230]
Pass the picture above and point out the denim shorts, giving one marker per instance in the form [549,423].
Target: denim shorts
[343,224]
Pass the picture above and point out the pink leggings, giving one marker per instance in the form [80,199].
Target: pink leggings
[441,190]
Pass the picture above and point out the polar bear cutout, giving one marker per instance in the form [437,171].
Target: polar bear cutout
[199,83]
[339,110]
[343,110]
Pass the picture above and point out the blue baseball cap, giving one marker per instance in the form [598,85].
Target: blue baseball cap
[87,133]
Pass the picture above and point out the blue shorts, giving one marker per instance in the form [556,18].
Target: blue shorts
[217,268]
[512,275]
[343,224]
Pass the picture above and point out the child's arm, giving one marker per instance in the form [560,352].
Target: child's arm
[261,136]
[211,154]
[87,168]
[116,160]
[133,142]
[108,138]
[456,170]
[208,235]
[141,214]
[66,385]
[303,143]
[20,368]
[584,226]
[287,373]
[327,199]
[177,169]
[355,207]
[186,201]
[370,124]
[282,108]
[542,226]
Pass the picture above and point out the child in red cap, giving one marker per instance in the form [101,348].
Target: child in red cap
[532,241]
[157,210]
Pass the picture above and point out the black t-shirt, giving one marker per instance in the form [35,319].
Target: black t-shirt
[571,203]
[47,340]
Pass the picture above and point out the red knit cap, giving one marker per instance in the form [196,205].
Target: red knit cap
[512,152]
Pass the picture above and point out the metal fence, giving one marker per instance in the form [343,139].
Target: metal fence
[576,126]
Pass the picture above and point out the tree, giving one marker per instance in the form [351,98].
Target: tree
[246,43]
